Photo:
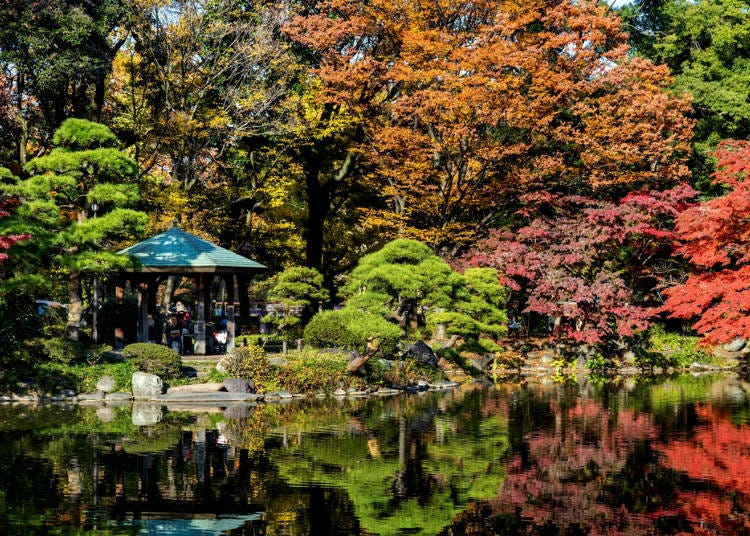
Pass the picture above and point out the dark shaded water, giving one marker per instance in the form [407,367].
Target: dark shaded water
[665,456]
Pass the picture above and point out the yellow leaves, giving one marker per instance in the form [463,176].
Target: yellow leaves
[319,120]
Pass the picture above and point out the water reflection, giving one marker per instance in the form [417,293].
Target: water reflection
[645,457]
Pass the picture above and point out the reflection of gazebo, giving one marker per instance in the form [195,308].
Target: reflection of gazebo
[179,253]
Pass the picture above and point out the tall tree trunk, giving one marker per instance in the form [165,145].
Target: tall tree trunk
[318,205]
[75,305]
[23,123]
[166,299]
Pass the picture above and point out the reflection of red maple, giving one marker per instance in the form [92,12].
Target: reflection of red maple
[718,456]
[560,479]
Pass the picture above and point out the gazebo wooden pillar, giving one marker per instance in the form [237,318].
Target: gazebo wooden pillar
[177,252]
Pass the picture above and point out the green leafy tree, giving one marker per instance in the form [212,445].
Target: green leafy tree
[56,57]
[84,176]
[210,74]
[645,21]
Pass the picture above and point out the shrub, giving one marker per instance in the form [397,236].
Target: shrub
[64,350]
[408,372]
[316,371]
[154,359]
[350,329]
[249,362]
[19,322]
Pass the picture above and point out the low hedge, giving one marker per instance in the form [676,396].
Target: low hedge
[154,359]
[64,350]
[350,329]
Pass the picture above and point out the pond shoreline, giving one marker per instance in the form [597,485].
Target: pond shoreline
[213,394]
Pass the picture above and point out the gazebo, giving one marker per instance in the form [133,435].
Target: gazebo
[179,253]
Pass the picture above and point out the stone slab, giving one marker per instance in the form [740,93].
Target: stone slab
[196,388]
[208,396]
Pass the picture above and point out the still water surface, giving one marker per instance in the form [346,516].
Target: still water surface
[665,456]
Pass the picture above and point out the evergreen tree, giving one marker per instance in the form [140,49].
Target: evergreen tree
[77,205]
[407,283]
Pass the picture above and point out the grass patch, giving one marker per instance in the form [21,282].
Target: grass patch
[668,349]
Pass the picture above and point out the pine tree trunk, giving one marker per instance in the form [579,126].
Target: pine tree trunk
[75,305]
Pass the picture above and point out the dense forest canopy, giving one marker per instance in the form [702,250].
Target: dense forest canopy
[574,135]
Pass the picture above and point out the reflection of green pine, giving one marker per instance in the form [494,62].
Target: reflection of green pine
[464,465]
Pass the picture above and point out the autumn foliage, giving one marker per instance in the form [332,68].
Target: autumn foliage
[715,456]
[591,263]
[471,104]
[715,238]
[8,240]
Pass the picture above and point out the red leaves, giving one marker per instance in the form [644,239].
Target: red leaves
[590,253]
[8,240]
[715,455]
[716,238]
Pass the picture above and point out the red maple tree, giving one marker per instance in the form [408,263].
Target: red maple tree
[589,261]
[715,239]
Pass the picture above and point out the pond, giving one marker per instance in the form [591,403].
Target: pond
[636,456]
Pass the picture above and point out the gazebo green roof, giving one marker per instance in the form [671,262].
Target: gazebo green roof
[176,251]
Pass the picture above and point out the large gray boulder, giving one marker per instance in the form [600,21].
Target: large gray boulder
[736,345]
[146,386]
[421,352]
[239,385]
[106,384]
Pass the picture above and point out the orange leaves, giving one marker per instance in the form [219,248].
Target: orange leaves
[634,132]
[470,104]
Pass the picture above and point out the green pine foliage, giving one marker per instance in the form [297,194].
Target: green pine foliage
[407,284]
[80,134]
[299,290]
[79,204]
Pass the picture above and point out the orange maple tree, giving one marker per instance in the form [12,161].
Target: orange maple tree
[716,240]
[470,104]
